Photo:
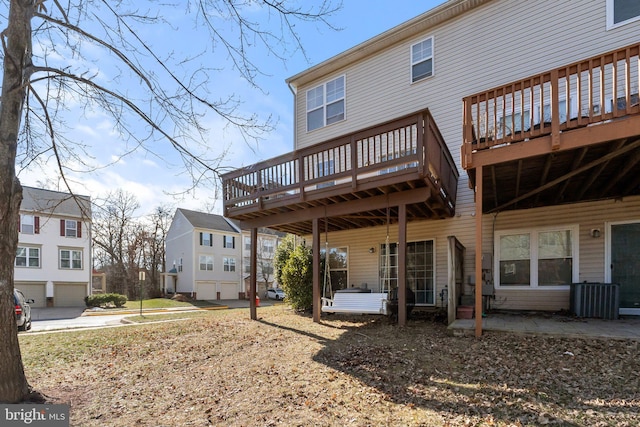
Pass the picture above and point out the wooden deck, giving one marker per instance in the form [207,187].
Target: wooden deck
[350,181]
[566,135]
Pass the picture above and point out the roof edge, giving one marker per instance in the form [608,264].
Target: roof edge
[410,28]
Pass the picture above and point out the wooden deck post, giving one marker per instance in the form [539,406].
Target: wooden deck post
[254,274]
[478,272]
[315,248]
[402,265]
[451,280]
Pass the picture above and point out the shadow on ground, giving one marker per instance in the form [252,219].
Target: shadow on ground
[498,378]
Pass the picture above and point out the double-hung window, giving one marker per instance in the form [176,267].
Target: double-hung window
[206,239]
[29,224]
[326,104]
[267,247]
[229,264]
[338,267]
[28,256]
[70,259]
[70,228]
[538,258]
[229,242]
[422,59]
[620,12]
[206,263]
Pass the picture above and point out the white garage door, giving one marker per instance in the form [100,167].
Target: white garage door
[206,291]
[69,295]
[228,291]
[35,291]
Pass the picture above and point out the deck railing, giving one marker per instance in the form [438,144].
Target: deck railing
[412,143]
[594,90]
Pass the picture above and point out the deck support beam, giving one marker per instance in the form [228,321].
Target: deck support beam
[253,277]
[315,248]
[478,272]
[402,265]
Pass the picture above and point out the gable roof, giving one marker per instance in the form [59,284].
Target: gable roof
[411,28]
[207,220]
[55,202]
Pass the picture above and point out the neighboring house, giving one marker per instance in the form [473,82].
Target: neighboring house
[53,261]
[268,241]
[205,253]
[484,147]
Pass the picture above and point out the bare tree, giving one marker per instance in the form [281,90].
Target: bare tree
[155,235]
[115,239]
[55,57]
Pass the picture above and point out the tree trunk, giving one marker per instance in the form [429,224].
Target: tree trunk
[17,57]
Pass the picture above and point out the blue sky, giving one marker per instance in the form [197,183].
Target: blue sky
[150,177]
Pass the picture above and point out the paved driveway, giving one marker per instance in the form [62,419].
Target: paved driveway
[49,319]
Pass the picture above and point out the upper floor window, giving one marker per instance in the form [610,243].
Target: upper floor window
[206,263]
[229,264]
[28,257]
[422,59]
[69,228]
[29,224]
[325,104]
[206,239]
[70,259]
[229,242]
[267,247]
[620,12]
[247,243]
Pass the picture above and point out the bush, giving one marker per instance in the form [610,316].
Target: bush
[103,300]
[297,279]
[282,255]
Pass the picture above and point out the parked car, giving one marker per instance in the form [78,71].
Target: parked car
[277,294]
[23,310]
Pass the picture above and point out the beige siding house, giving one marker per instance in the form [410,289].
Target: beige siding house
[486,151]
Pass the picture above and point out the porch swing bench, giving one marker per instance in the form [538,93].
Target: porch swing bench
[356,303]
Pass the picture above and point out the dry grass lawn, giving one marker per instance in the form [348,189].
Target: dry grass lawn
[224,369]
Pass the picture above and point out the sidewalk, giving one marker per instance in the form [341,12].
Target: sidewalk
[54,313]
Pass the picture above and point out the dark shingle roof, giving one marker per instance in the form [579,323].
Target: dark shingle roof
[207,220]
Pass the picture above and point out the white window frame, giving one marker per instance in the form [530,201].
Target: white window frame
[70,228]
[414,62]
[75,257]
[268,247]
[205,261]
[326,102]
[533,256]
[229,264]
[207,239]
[610,12]
[247,243]
[343,249]
[229,242]
[28,256]
[27,221]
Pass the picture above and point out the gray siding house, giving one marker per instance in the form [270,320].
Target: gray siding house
[204,252]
